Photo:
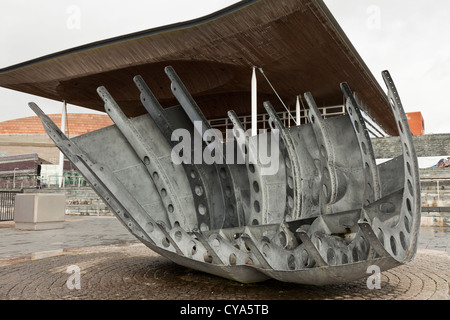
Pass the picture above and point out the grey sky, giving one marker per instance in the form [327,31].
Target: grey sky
[409,38]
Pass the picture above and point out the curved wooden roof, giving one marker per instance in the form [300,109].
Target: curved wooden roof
[298,44]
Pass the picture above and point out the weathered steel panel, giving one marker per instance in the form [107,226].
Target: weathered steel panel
[306,204]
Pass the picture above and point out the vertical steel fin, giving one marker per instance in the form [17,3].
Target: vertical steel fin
[227,180]
[204,205]
[263,206]
[373,185]
[103,181]
[327,153]
[411,204]
[293,170]
[157,170]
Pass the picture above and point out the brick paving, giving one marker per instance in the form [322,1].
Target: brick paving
[114,265]
[134,272]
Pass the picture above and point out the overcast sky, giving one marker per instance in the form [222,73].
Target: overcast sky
[408,38]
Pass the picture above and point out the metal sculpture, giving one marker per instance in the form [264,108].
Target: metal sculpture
[322,215]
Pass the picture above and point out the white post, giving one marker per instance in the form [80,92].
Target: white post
[254,124]
[14,178]
[61,155]
[437,187]
[297,111]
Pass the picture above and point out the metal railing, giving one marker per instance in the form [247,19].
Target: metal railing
[7,202]
[262,119]
[66,181]
[224,124]
[38,182]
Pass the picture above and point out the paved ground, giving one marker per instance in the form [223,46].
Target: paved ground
[78,232]
[114,265]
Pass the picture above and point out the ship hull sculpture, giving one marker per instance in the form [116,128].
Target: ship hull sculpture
[323,215]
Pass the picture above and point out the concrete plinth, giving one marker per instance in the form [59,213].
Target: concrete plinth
[39,211]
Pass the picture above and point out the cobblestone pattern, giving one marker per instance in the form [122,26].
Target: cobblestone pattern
[135,272]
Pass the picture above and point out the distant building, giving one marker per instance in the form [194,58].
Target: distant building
[416,123]
[27,135]
[20,171]
[29,158]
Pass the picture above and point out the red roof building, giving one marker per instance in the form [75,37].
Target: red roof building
[76,124]
[416,123]
[27,135]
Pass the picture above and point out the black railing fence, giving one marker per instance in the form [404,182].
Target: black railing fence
[7,201]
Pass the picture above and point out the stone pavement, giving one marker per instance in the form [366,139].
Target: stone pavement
[78,232]
[112,264]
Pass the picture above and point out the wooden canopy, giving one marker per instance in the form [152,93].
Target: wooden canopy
[297,43]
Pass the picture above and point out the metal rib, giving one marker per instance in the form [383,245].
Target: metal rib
[368,156]
[293,192]
[114,161]
[103,182]
[170,239]
[194,172]
[410,206]
[311,248]
[168,194]
[326,151]
[232,204]
[215,257]
[370,236]
[264,205]
[254,249]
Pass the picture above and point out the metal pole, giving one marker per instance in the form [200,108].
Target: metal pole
[297,110]
[254,125]
[61,155]
[14,178]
